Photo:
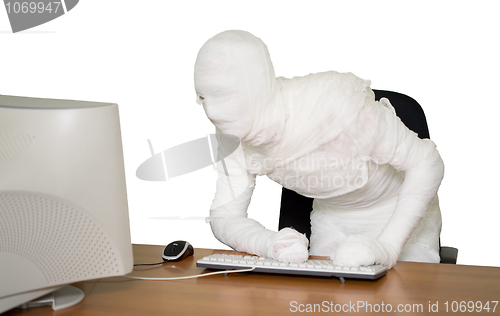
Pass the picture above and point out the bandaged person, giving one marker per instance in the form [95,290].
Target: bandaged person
[374,182]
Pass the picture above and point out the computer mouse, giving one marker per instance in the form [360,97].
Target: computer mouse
[177,251]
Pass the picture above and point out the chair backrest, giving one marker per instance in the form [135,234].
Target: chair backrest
[408,110]
[296,209]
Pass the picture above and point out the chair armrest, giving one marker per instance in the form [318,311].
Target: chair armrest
[448,255]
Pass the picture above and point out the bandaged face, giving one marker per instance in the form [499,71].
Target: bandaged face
[234,80]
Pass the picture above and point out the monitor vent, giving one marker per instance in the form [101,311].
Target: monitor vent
[12,143]
[61,239]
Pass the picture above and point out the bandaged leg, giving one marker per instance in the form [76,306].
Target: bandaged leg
[423,245]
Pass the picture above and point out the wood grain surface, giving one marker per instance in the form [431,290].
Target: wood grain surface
[408,288]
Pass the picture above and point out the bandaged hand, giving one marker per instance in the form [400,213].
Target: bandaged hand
[362,250]
[288,245]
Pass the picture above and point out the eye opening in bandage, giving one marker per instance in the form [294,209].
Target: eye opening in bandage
[200,99]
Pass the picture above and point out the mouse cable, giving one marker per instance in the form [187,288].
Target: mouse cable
[149,264]
[190,276]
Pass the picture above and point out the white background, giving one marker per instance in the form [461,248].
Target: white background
[140,54]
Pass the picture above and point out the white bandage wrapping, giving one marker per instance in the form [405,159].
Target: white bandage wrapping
[324,136]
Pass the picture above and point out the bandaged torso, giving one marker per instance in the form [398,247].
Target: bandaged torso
[355,189]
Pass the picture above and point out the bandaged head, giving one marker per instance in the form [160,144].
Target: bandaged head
[235,81]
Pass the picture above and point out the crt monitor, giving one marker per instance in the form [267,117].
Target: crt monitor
[63,202]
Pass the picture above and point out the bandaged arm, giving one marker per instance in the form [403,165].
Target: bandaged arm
[228,213]
[423,167]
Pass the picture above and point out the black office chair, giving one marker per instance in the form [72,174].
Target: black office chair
[296,209]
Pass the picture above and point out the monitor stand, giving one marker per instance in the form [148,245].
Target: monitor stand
[62,298]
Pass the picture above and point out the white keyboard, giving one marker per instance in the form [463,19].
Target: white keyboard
[310,267]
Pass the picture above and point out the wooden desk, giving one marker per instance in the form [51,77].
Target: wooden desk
[416,286]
